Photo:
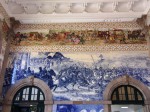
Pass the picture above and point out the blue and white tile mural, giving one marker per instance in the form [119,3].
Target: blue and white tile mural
[78,108]
[77,76]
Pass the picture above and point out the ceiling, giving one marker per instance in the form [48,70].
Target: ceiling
[64,11]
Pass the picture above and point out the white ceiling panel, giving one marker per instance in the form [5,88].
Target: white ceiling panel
[43,11]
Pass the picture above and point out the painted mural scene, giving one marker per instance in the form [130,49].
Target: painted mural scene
[78,108]
[83,37]
[77,76]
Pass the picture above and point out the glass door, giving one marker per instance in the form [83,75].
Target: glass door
[127,108]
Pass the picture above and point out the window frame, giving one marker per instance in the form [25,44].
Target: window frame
[134,94]
[20,94]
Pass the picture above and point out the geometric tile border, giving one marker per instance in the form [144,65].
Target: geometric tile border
[82,26]
[80,48]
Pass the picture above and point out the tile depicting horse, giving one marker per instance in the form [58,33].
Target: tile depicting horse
[77,75]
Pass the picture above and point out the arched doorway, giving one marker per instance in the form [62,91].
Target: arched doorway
[28,99]
[20,86]
[124,82]
[127,98]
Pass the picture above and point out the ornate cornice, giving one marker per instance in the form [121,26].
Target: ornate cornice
[63,11]
[80,48]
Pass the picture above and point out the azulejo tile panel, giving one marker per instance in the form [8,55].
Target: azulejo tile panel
[78,108]
[77,76]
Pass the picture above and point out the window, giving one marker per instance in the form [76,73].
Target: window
[29,93]
[127,94]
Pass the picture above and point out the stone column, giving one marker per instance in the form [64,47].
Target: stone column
[144,22]
[146,106]
[10,33]
[107,108]
[4,64]
[1,59]
[6,106]
[0,36]
[48,106]
[148,31]
[148,40]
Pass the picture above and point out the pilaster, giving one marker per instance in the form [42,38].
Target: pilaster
[148,40]
[1,58]
[148,31]
[107,108]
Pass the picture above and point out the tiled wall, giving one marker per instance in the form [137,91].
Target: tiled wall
[78,108]
[78,76]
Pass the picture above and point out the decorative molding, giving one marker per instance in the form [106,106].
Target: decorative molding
[80,48]
[81,26]
[60,11]
[4,13]
[27,82]
[73,6]
[64,11]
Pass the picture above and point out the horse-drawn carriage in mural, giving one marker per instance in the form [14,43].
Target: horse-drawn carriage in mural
[136,36]
[112,36]
[122,36]
[35,36]
[75,37]
[119,36]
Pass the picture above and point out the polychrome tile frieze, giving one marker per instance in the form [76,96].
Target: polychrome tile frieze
[76,40]
[80,37]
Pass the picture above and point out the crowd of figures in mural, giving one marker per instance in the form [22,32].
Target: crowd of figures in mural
[83,37]
[77,76]
[78,108]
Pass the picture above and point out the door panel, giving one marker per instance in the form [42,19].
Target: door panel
[17,108]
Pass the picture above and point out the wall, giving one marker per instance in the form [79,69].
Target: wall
[78,108]
[4,22]
[3,42]
[78,76]
[78,71]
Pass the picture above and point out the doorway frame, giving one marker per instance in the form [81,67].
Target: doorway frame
[126,80]
[29,81]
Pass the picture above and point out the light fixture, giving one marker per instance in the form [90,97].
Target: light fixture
[124,107]
[31,105]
